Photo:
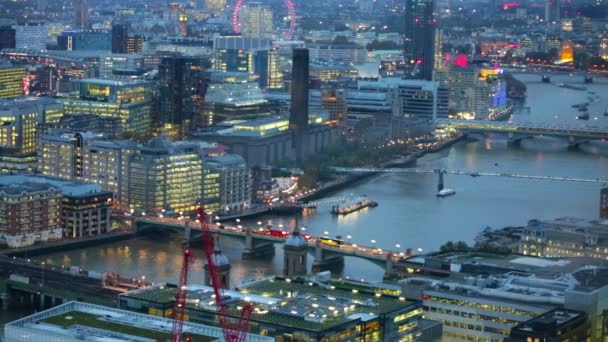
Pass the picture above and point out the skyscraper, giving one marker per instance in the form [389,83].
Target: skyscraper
[420,25]
[7,37]
[181,94]
[298,118]
[256,20]
[81,11]
[120,38]
[31,35]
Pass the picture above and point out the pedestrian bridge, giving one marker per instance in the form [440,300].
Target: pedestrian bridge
[468,173]
[258,244]
[526,129]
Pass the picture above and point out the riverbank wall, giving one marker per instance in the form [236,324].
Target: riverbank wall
[68,244]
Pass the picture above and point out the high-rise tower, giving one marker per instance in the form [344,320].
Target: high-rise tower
[81,9]
[256,20]
[420,25]
[298,117]
[120,38]
[181,94]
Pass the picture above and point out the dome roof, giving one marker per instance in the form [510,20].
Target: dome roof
[295,239]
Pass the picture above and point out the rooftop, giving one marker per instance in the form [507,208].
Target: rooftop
[68,187]
[559,317]
[295,303]
[75,321]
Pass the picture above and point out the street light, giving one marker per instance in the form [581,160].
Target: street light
[372,241]
[238,220]
[349,237]
[397,245]
[326,232]
[419,249]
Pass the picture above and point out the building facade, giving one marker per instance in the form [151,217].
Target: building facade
[565,237]
[18,136]
[604,203]
[87,157]
[234,180]
[164,177]
[130,101]
[29,212]
[557,325]
[120,36]
[75,40]
[251,55]
[31,35]
[256,20]
[181,89]
[11,78]
[421,24]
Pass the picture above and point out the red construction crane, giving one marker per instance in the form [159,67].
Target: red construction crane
[180,300]
[233,331]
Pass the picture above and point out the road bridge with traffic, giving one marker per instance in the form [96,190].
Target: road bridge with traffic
[256,243]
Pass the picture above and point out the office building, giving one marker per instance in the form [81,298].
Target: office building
[29,209]
[421,24]
[557,325]
[164,177]
[420,99]
[485,297]
[92,321]
[333,101]
[31,35]
[251,55]
[83,208]
[216,6]
[7,37]
[135,44]
[298,112]
[294,309]
[81,15]
[256,20]
[327,72]
[268,140]
[11,78]
[181,89]
[336,53]
[110,128]
[130,101]
[234,179]
[553,10]
[120,36]
[604,203]
[87,157]
[75,40]
[234,96]
[18,136]
[565,237]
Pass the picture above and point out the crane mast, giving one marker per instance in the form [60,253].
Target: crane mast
[180,300]
[233,332]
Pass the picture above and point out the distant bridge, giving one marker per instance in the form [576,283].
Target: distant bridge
[468,173]
[517,131]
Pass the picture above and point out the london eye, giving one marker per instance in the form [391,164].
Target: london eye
[291,12]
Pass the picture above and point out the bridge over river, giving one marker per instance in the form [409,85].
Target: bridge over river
[258,244]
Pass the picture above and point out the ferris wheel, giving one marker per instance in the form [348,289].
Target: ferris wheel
[291,12]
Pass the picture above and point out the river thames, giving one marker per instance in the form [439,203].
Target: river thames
[409,213]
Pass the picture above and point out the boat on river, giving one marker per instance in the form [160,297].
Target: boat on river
[352,205]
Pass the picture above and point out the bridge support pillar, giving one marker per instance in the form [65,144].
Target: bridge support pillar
[187,232]
[5,300]
[309,211]
[42,301]
[252,250]
[389,267]
[323,263]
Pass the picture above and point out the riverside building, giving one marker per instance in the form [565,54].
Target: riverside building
[87,157]
[164,177]
[565,237]
[294,310]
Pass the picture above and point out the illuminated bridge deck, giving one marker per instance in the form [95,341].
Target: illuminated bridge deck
[525,128]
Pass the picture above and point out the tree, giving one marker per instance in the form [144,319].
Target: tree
[341,40]
[382,45]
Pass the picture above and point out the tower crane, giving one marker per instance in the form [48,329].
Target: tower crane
[180,300]
[233,332]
